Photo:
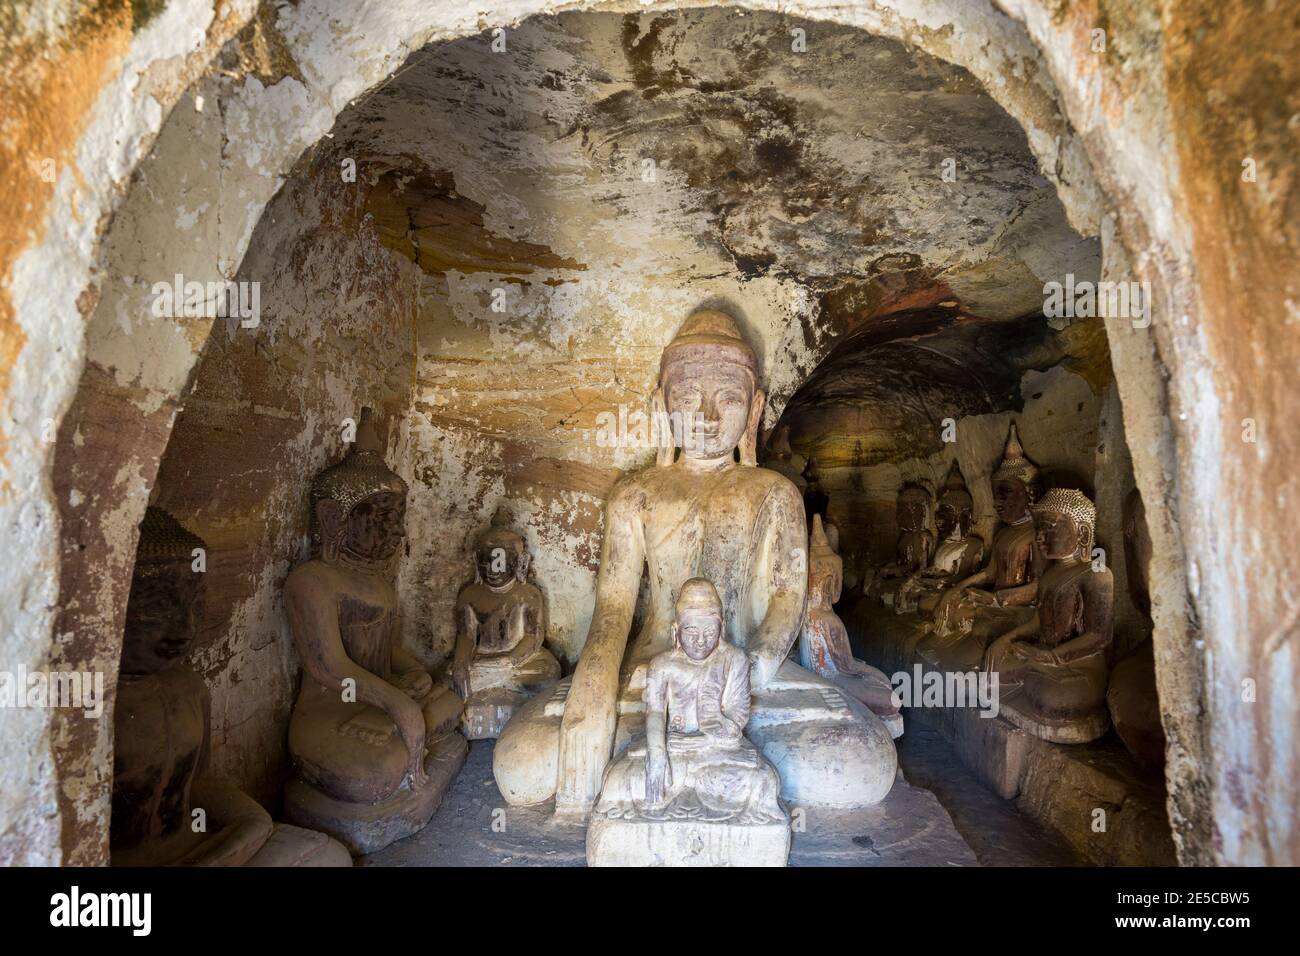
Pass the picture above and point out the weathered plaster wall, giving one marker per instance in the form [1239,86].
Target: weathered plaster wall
[1161,117]
[266,411]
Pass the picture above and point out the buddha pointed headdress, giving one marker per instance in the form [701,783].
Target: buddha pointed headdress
[1016,466]
[709,336]
[163,540]
[823,561]
[955,493]
[698,594]
[1069,501]
[360,474]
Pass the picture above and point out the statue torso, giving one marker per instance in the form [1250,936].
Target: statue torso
[1013,555]
[1061,602]
[716,526]
[367,611]
[160,724]
[493,609]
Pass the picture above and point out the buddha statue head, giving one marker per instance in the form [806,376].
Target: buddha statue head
[913,508]
[825,568]
[955,510]
[359,504]
[1015,483]
[500,556]
[708,384]
[166,600]
[697,628]
[1064,525]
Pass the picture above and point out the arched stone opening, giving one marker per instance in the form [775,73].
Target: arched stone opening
[155,375]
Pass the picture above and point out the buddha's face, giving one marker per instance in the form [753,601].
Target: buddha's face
[698,632]
[498,561]
[376,526]
[826,591]
[911,512]
[162,616]
[1056,535]
[712,403]
[1010,499]
[950,518]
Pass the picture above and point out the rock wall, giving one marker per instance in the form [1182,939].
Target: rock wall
[1145,141]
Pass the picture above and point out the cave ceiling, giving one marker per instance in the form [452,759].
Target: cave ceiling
[819,172]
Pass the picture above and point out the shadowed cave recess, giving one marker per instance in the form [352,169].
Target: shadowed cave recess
[492,251]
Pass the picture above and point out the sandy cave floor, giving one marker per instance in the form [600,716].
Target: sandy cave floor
[912,827]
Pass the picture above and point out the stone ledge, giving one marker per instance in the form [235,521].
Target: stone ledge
[618,842]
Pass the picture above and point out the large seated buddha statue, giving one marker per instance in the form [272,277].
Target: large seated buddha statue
[373,739]
[703,514]
[824,641]
[1053,668]
[999,596]
[956,557]
[167,808]
[693,791]
[500,659]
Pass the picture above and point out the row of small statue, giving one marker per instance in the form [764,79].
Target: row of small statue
[1037,607]
[683,724]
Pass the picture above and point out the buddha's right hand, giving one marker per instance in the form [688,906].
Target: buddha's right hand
[657,777]
[410,727]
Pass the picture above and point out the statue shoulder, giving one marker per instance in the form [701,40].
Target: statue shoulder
[306,581]
[732,657]
[631,492]
[775,486]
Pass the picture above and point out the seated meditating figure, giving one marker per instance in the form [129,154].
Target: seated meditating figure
[1052,670]
[824,641]
[373,740]
[167,809]
[499,661]
[704,514]
[915,543]
[1000,596]
[694,764]
[958,554]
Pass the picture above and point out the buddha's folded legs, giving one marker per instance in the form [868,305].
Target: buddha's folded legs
[363,763]
[1068,692]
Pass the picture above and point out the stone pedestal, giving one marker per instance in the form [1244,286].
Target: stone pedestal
[636,842]
[366,828]
[1019,710]
[486,713]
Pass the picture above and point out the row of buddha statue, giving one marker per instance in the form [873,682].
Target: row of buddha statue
[680,743]
[1035,607]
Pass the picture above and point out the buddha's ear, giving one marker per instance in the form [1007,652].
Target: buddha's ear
[749,443]
[672,633]
[330,518]
[522,565]
[661,428]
